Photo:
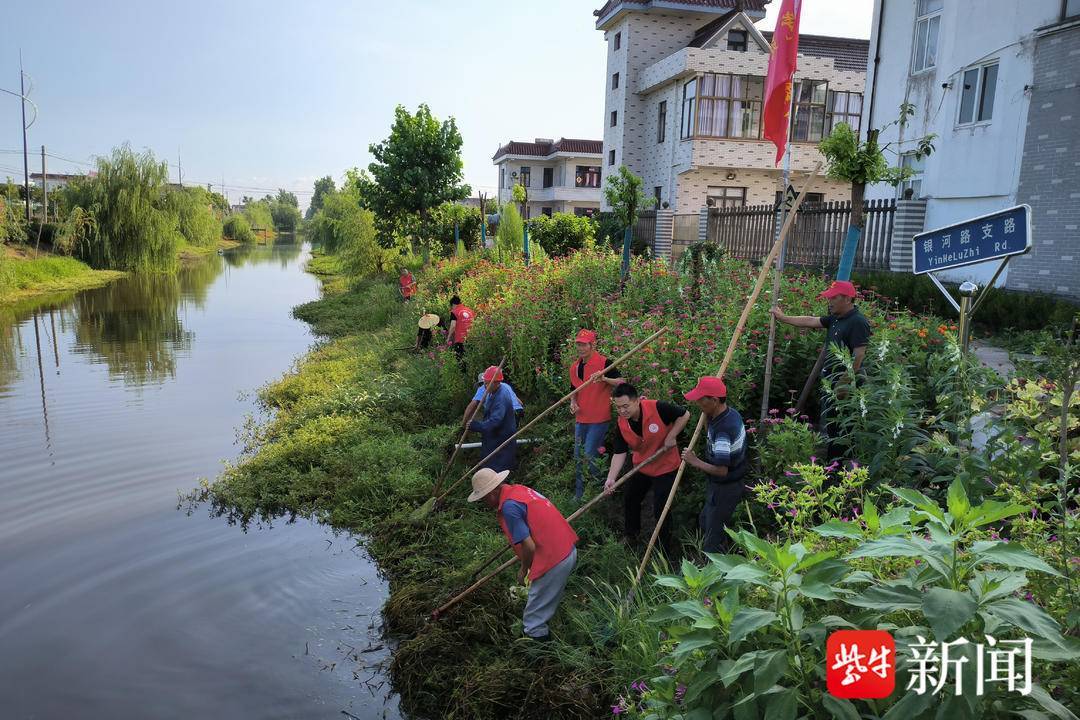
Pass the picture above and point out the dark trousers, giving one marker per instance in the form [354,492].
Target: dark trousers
[459,350]
[634,492]
[827,423]
[721,499]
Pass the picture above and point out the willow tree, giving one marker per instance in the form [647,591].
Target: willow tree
[135,227]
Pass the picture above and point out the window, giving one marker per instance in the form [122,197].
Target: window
[618,40]
[808,123]
[611,157]
[844,107]
[736,40]
[614,118]
[502,177]
[545,211]
[726,197]
[977,94]
[657,191]
[729,106]
[589,175]
[910,161]
[526,176]
[661,121]
[810,197]
[1070,9]
[927,22]
[585,212]
[689,95]
[615,81]
[549,177]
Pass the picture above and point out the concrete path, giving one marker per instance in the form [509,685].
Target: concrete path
[993,357]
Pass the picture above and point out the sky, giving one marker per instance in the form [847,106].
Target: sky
[273,94]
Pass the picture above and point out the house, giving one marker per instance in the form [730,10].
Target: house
[999,90]
[562,176]
[683,103]
[53,181]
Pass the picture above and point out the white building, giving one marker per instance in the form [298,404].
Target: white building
[969,69]
[53,181]
[683,100]
[563,176]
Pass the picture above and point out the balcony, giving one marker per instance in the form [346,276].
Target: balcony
[560,193]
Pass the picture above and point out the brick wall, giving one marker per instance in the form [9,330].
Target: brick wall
[1050,170]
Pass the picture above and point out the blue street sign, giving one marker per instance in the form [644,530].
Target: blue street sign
[994,236]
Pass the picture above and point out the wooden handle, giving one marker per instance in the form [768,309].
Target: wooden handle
[758,285]
[629,353]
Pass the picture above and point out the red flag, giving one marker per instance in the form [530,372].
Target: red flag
[782,63]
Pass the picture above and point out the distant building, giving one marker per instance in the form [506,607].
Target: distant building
[562,176]
[999,90]
[683,100]
[53,181]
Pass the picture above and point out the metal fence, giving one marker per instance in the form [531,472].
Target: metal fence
[645,228]
[684,232]
[816,239]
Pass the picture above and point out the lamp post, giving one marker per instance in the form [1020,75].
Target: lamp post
[967,291]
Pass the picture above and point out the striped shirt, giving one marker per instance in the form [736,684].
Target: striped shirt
[726,443]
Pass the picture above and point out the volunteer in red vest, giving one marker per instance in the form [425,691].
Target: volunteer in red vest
[408,284]
[645,426]
[591,408]
[542,539]
[461,319]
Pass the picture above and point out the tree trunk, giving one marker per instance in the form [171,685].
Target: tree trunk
[858,197]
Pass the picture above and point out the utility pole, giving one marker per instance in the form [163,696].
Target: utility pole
[44,189]
[179,168]
[26,156]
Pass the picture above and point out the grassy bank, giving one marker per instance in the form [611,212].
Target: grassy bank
[23,275]
[190,253]
[360,430]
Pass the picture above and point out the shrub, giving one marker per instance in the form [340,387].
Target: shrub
[563,233]
[199,223]
[510,237]
[238,228]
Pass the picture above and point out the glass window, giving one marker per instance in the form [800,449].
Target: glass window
[611,157]
[657,191]
[587,176]
[736,40]
[549,177]
[689,95]
[810,198]
[726,197]
[502,177]
[729,106]
[844,107]
[661,121]
[927,25]
[545,211]
[526,176]
[977,94]
[585,212]
[614,118]
[615,81]
[808,122]
[914,163]
[1072,9]
[618,40]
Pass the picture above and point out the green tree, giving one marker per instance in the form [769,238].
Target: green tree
[416,169]
[323,187]
[135,226]
[510,236]
[285,211]
[562,233]
[260,216]
[237,227]
[626,197]
[199,223]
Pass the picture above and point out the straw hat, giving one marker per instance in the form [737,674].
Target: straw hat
[428,321]
[484,481]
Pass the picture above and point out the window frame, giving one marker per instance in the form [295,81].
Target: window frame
[615,81]
[614,118]
[932,21]
[661,122]
[585,212]
[1065,16]
[727,193]
[728,103]
[831,114]
[548,178]
[658,191]
[916,180]
[525,175]
[583,171]
[979,97]
[809,107]
[745,45]
[618,41]
[687,119]
[546,211]
[611,157]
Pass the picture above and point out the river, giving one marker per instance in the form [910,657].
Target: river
[115,604]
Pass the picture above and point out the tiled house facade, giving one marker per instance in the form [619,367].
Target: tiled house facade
[685,111]
[559,176]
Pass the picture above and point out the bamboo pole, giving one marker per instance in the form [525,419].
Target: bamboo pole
[762,275]
[596,376]
[465,432]
[576,514]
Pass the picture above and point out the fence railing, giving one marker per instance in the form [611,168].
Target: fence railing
[816,239]
[645,228]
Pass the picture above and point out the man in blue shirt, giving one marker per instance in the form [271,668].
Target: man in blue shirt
[519,409]
[499,423]
[724,462]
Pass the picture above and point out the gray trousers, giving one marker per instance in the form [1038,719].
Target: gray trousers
[544,596]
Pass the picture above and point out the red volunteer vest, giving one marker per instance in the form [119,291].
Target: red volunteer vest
[463,317]
[553,536]
[407,285]
[594,402]
[654,431]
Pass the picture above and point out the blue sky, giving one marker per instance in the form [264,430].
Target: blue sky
[275,94]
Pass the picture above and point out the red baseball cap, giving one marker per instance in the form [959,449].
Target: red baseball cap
[839,287]
[493,372]
[586,336]
[708,386]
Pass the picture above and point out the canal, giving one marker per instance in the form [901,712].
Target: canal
[113,602]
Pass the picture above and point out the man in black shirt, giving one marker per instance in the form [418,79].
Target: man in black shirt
[847,328]
[645,427]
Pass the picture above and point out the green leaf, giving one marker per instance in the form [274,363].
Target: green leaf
[809,561]
[957,500]
[835,621]
[730,671]
[782,706]
[725,562]
[1050,704]
[996,584]
[947,611]
[840,708]
[888,598]
[1046,650]
[886,547]
[749,572]
[1011,555]
[895,518]
[692,609]
[763,548]
[910,705]
[701,682]
[993,510]
[870,515]
[746,621]
[665,614]
[827,572]
[769,668]
[694,640]
[916,498]
[839,528]
[1027,616]
[671,581]
[820,591]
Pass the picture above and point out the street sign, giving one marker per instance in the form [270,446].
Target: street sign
[989,237]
